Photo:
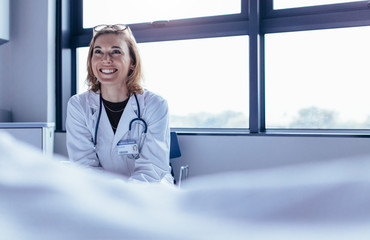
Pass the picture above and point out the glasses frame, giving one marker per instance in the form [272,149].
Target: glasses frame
[116,27]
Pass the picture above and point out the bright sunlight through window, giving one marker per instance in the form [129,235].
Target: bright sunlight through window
[138,11]
[318,79]
[282,4]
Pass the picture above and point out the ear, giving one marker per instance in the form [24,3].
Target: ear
[132,67]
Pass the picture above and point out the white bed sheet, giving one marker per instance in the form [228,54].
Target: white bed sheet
[43,198]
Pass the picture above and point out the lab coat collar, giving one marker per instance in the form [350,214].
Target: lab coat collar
[93,105]
[94,99]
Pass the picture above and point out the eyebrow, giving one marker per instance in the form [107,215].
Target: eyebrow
[112,47]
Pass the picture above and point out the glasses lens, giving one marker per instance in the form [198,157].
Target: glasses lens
[117,27]
[100,27]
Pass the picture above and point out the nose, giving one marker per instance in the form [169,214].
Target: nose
[107,58]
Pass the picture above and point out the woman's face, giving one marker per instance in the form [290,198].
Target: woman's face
[111,61]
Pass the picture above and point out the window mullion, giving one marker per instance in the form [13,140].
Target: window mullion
[255,115]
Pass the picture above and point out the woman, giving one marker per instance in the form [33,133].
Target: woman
[117,125]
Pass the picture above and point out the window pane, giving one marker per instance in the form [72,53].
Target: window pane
[137,11]
[282,4]
[318,79]
[205,81]
[82,69]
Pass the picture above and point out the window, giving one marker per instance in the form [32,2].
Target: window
[283,4]
[318,79]
[198,61]
[248,66]
[138,11]
[204,80]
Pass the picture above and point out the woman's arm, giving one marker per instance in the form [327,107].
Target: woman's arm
[79,139]
[153,164]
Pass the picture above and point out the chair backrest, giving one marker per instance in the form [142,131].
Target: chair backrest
[174,151]
[174,146]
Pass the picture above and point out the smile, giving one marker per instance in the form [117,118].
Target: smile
[108,70]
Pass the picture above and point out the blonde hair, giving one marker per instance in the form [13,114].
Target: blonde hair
[134,79]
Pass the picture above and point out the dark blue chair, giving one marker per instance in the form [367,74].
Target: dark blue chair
[174,146]
[175,152]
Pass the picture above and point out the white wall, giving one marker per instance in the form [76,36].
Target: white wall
[212,154]
[27,62]
[215,154]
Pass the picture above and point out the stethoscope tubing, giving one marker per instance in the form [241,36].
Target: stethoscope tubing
[138,118]
[98,121]
[130,124]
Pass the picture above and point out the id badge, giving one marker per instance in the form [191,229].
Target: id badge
[127,147]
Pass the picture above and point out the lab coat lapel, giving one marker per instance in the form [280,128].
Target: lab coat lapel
[128,114]
[93,100]
[105,131]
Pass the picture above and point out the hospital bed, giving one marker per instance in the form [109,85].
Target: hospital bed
[41,198]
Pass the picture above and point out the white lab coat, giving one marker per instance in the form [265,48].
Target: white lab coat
[153,163]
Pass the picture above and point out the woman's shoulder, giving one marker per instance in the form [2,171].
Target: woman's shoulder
[154,104]
[151,96]
[85,98]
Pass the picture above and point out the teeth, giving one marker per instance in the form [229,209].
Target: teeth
[107,70]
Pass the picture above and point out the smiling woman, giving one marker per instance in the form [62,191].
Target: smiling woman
[114,46]
[128,144]
[110,64]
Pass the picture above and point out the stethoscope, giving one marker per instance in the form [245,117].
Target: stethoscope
[139,119]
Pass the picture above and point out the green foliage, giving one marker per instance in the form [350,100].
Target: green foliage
[314,117]
[307,118]
[318,118]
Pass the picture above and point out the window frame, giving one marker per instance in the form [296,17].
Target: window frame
[179,29]
[341,15]
[256,19]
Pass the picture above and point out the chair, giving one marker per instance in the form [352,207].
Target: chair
[175,153]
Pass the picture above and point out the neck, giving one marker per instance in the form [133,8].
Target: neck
[114,94]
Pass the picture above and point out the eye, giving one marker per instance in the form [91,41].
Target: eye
[116,51]
[97,51]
